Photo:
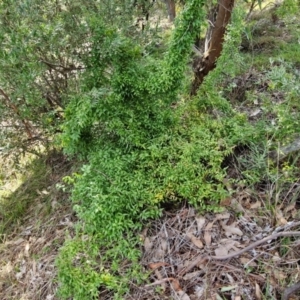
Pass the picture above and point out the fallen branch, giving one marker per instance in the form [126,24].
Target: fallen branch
[257,243]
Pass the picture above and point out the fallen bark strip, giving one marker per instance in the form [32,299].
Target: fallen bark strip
[203,259]
[290,291]
[285,151]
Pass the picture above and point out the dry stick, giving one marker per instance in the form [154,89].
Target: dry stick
[27,126]
[237,253]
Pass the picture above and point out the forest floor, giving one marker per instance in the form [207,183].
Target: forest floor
[35,217]
[248,250]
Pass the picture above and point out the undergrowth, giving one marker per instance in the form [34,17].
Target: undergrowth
[22,191]
[273,94]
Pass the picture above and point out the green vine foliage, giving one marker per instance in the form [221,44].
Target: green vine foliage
[140,151]
[126,96]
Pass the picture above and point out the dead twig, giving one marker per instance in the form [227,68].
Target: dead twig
[159,282]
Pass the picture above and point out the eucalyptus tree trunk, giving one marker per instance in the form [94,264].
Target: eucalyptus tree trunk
[213,43]
[171,7]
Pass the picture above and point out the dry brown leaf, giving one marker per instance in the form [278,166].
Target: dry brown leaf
[280,275]
[226,202]
[276,257]
[207,234]
[247,261]
[290,207]
[230,244]
[231,229]
[176,285]
[230,278]
[223,216]
[40,240]
[147,244]
[161,249]
[5,270]
[34,267]
[255,112]
[143,234]
[17,242]
[183,295]
[257,292]
[255,205]
[200,222]
[163,245]
[197,242]
[192,275]
[273,281]
[160,277]
[26,249]
[221,251]
[159,254]
[45,192]
[236,205]
[158,274]
[279,217]
[282,221]
[157,265]
[169,279]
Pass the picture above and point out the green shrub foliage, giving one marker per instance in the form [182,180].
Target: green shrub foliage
[44,50]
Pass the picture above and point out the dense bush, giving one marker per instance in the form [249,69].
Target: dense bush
[44,50]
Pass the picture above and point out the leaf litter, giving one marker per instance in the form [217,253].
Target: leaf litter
[27,256]
[189,257]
